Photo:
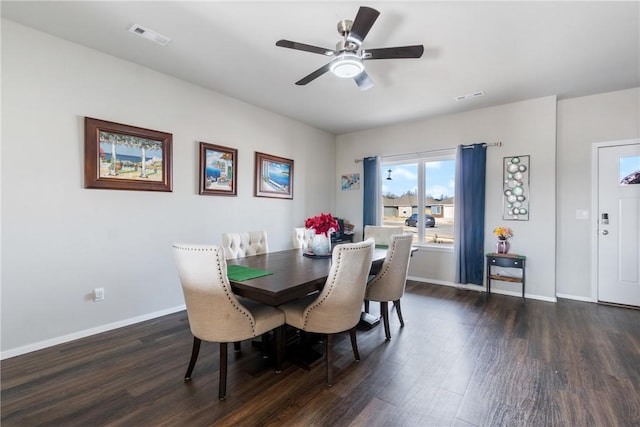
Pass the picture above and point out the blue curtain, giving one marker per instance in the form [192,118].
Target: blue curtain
[471,165]
[371,186]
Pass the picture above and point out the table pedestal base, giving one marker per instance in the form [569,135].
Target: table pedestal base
[368,321]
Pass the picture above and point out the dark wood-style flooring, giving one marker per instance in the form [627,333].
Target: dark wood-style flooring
[463,359]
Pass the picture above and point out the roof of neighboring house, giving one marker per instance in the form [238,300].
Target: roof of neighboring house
[410,200]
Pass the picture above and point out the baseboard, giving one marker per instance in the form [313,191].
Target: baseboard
[481,289]
[468,287]
[526,295]
[575,297]
[87,332]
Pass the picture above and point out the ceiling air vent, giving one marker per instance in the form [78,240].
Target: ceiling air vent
[469,96]
[149,34]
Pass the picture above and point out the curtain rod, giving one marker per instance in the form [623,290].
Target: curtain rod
[486,144]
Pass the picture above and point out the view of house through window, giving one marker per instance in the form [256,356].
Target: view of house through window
[421,185]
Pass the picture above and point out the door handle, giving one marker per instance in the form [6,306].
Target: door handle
[605,232]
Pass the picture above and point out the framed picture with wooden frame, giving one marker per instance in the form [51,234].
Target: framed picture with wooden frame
[123,157]
[273,176]
[218,165]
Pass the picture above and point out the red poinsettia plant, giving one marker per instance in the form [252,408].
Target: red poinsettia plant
[322,224]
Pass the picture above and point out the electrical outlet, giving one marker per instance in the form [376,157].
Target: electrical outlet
[98,294]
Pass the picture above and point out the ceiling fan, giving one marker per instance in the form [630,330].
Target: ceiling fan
[348,58]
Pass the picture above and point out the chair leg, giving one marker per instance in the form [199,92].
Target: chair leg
[354,343]
[329,359]
[280,337]
[222,386]
[265,345]
[236,346]
[384,310]
[366,306]
[396,304]
[194,356]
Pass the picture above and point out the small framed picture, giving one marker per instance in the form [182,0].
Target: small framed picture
[218,170]
[273,176]
[123,157]
[350,181]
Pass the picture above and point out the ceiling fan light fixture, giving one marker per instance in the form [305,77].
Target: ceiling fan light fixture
[346,65]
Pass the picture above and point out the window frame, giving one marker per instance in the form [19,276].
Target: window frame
[420,159]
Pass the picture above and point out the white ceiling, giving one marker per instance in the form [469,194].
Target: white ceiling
[511,50]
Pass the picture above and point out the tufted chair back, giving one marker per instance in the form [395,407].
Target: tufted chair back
[381,234]
[240,245]
[302,238]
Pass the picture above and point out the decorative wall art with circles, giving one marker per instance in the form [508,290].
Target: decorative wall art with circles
[515,188]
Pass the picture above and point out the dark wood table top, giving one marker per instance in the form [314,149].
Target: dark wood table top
[294,275]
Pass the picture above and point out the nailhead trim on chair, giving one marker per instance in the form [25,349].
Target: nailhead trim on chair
[385,267]
[331,285]
[226,286]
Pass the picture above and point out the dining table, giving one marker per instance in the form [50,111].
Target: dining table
[275,278]
[285,276]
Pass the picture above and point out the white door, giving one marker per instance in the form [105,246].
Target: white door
[619,224]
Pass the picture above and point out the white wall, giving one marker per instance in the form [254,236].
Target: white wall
[525,128]
[60,241]
[582,122]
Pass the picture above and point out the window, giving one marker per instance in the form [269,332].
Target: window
[415,185]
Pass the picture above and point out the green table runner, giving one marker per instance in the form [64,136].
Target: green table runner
[382,246]
[240,273]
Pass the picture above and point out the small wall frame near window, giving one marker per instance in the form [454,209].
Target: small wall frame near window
[515,188]
[123,157]
[218,176]
[273,176]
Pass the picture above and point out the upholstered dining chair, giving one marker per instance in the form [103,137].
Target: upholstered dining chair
[215,313]
[302,238]
[240,245]
[381,234]
[337,307]
[388,284]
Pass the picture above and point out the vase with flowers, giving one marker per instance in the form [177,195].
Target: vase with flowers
[503,233]
[322,225]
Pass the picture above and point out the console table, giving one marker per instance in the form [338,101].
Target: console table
[508,261]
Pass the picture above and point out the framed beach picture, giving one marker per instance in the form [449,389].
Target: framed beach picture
[273,176]
[123,157]
[218,170]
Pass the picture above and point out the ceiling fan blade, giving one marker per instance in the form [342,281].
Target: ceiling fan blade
[311,77]
[305,47]
[363,81]
[362,24]
[393,52]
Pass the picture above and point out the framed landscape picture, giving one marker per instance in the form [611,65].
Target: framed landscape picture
[123,157]
[218,170]
[273,176]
